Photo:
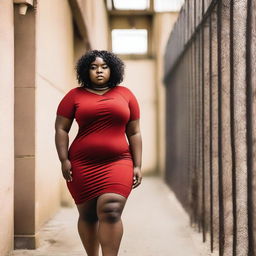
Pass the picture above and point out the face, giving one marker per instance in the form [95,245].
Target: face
[99,72]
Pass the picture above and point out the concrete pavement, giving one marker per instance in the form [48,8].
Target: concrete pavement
[155,224]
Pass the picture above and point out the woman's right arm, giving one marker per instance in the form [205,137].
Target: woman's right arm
[62,127]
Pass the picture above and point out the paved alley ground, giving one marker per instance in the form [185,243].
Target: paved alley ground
[155,224]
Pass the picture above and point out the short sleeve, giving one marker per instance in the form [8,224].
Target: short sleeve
[134,107]
[66,106]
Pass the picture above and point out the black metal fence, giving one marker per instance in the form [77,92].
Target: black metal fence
[210,74]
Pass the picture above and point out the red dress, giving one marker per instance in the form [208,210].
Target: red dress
[100,155]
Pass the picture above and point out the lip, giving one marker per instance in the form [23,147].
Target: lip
[99,77]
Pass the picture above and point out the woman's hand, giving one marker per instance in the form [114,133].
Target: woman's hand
[137,177]
[66,170]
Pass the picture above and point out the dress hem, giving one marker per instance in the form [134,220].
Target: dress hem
[126,195]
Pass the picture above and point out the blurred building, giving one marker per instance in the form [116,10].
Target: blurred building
[40,44]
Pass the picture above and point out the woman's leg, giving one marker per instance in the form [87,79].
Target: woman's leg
[109,210]
[88,226]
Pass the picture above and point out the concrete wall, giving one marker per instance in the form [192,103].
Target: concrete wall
[24,129]
[140,78]
[7,126]
[54,76]
[98,26]
[95,16]
[162,26]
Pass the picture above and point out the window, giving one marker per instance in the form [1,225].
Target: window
[131,4]
[144,5]
[167,5]
[130,41]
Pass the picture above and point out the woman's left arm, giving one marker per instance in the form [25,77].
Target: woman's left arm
[134,137]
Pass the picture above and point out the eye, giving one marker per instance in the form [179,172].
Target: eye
[93,67]
[105,66]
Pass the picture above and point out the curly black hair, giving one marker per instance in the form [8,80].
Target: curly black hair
[115,64]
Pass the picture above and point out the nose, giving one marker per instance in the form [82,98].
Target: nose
[99,70]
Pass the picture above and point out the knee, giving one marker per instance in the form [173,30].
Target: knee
[110,212]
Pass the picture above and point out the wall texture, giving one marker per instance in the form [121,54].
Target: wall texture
[140,78]
[210,79]
[7,126]
[162,26]
[24,129]
[54,76]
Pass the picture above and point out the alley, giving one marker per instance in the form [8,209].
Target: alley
[154,224]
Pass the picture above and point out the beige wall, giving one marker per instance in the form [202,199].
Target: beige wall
[24,129]
[6,124]
[96,18]
[140,78]
[54,76]
[163,24]
[98,24]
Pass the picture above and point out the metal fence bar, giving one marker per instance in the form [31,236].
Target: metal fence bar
[210,73]
[214,123]
[206,133]
[225,131]
[220,135]
[239,122]
[203,132]
[251,120]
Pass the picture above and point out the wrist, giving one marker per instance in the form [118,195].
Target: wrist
[63,160]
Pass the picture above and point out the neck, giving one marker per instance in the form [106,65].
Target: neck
[100,88]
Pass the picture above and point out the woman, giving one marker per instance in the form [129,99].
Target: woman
[100,167]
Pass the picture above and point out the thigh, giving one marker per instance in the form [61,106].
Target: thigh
[88,210]
[110,202]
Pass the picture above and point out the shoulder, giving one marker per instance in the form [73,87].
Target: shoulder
[73,91]
[124,90]
[70,95]
[70,91]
